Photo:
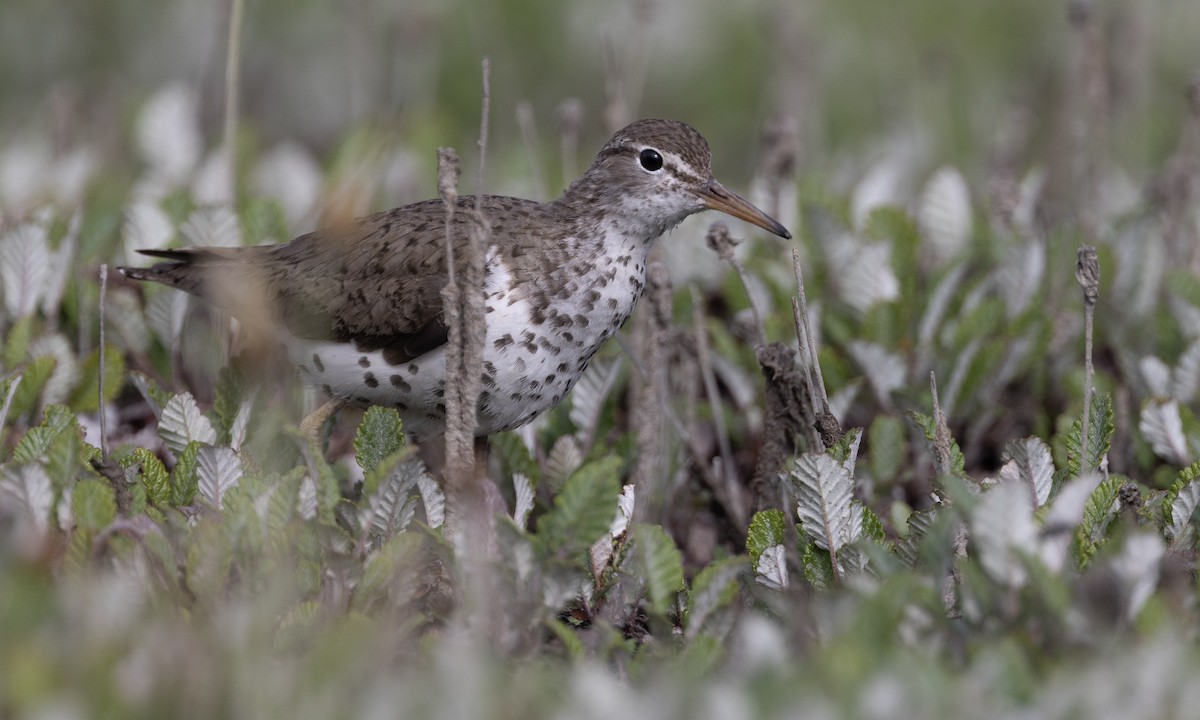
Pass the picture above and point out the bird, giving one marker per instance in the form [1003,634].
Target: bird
[359,309]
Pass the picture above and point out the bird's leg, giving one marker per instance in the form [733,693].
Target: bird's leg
[313,424]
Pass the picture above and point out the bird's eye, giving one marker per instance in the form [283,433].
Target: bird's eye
[650,160]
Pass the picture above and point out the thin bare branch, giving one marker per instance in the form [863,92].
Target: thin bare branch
[1087,273]
[100,382]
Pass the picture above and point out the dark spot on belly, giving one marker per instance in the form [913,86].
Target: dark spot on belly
[398,383]
[364,361]
[413,369]
[320,366]
[326,389]
[369,379]
[550,378]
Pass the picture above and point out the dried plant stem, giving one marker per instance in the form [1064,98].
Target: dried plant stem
[233,61]
[1087,273]
[100,358]
[729,490]
[485,109]
[723,243]
[941,432]
[827,425]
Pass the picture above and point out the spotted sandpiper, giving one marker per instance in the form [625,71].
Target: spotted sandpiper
[359,308]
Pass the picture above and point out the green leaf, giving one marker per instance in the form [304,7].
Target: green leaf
[818,567]
[58,444]
[379,436]
[767,528]
[16,345]
[886,447]
[94,505]
[231,388]
[1187,484]
[156,396]
[1098,512]
[584,509]
[1100,431]
[33,379]
[86,397]
[384,573]
[514,456]
[872,526]
[569,638]
[185,479]
[661,565]
[713,589]
[37,441]
[928,427]
[155,478]
[846,447]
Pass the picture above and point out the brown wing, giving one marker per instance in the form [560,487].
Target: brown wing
[376,282]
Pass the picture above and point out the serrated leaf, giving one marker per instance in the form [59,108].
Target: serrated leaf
[154,395]
[927,426]
[1181,500]
[624,515]
[383,577]
[1185,378]
[872,526]
[944,214]
[154,475]
[27,493]
[515,456]
[392,506]
[94,505]
[33,378]
[767,528]
[433,499]
[218,470]
[845,450]
[1003,530]
[770,569]
[918,525]
[182,423]
[583,510]
[24,267]
[1062,519]
[564,459]
[818,567]
[661,565]
[36,443]
[185,478]
[1029,462]
[1162,427]
[589,394]
[824,491]
[1100,430]
[230,392]
[86,397]
[212,226]
[380,434]
[306,500]
[715,587]
[523,490]
[16,343]
[1100,509]
[66,369]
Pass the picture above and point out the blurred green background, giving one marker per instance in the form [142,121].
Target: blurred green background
[945,75]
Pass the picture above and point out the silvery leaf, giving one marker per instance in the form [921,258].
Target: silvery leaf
[944,214]
[1163,429]
[219,470]
[1002,527]
[771,569]
[24,267]
[182,422]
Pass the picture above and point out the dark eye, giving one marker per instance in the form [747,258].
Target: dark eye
[650,160]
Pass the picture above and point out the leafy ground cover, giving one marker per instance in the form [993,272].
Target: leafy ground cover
[1017,537]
